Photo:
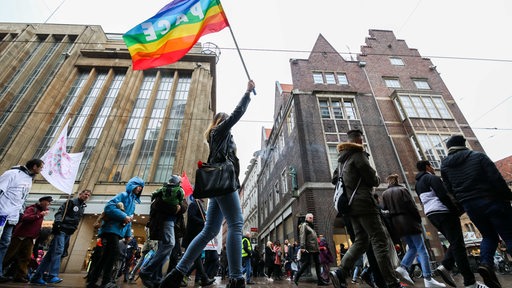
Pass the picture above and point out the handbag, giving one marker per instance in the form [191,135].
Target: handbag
[216,179]
[341,201]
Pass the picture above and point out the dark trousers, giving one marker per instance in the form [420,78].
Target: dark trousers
[110,254]
[306,263]
[449,225]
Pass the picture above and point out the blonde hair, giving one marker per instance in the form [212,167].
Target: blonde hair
[217,119]
[392,179]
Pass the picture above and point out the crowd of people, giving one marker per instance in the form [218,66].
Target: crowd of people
[470,183]
[386,232]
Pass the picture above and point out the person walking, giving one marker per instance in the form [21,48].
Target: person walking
[406,219]
[444,214]
[23,237]
[326,258]
[359,177]
[65,224]
[247,257]
[228,205]
[479,187]
[15,184]
[167,203]
[309,249]
[116,224]
[269,258]
[195,223]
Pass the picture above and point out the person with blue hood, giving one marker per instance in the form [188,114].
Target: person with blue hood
[116,224]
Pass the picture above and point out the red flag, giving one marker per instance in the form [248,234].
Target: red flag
[185,184]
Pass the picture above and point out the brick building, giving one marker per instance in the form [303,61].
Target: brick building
[392,93]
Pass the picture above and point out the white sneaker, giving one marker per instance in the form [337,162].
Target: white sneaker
[432,283]
[404,275]
[476,285]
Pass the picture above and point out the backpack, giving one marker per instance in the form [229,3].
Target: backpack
[341,201]
[171,194]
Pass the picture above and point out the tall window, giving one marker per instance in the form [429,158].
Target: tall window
[133,127]
[148,146]
[290,120]
[172,133]
[433,147]
[100,121]
[423,106]
[78,122]
[58,120]
[284,181]
[337,108]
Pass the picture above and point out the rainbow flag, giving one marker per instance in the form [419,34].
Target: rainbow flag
[166,37]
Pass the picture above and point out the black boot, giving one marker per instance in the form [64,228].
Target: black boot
[172,280]
[236,283]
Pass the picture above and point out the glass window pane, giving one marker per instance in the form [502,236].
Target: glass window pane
[392,83]
[441,107]
[396,61]
[318,78]
[422,84]
[420,108]
[336,109]
[329,78]
[431,108]
[342,79]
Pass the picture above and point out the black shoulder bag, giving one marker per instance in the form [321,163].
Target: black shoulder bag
[216,179]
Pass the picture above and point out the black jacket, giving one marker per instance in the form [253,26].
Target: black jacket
[221,135]
[195,223]
[472,175]
[74,212]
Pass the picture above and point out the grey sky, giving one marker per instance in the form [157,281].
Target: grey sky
[456,35]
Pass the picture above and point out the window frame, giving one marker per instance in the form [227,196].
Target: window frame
[393,83]
[396,61]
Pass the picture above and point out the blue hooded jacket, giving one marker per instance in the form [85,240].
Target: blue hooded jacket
[114,215]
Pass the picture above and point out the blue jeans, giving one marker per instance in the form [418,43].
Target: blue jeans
[416,246]
[5,240]
[165,246]
[492,218]
[219,207]
[52,258]
[247,268]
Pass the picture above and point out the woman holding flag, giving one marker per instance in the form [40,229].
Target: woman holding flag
[225,206]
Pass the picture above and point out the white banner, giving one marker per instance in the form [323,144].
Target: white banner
[60,168]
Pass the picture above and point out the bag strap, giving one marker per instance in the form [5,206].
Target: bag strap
[340,178]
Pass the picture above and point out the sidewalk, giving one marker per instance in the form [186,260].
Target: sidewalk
[77,280]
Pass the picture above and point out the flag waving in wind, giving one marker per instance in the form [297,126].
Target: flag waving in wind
[166,37]
[60,167]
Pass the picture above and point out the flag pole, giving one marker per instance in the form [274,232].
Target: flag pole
[237,48]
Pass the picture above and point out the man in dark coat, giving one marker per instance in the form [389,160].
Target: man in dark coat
[66,222]
[477,184]
[359,177]
[406,220]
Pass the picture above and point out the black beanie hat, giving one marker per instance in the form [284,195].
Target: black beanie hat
[456,140]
